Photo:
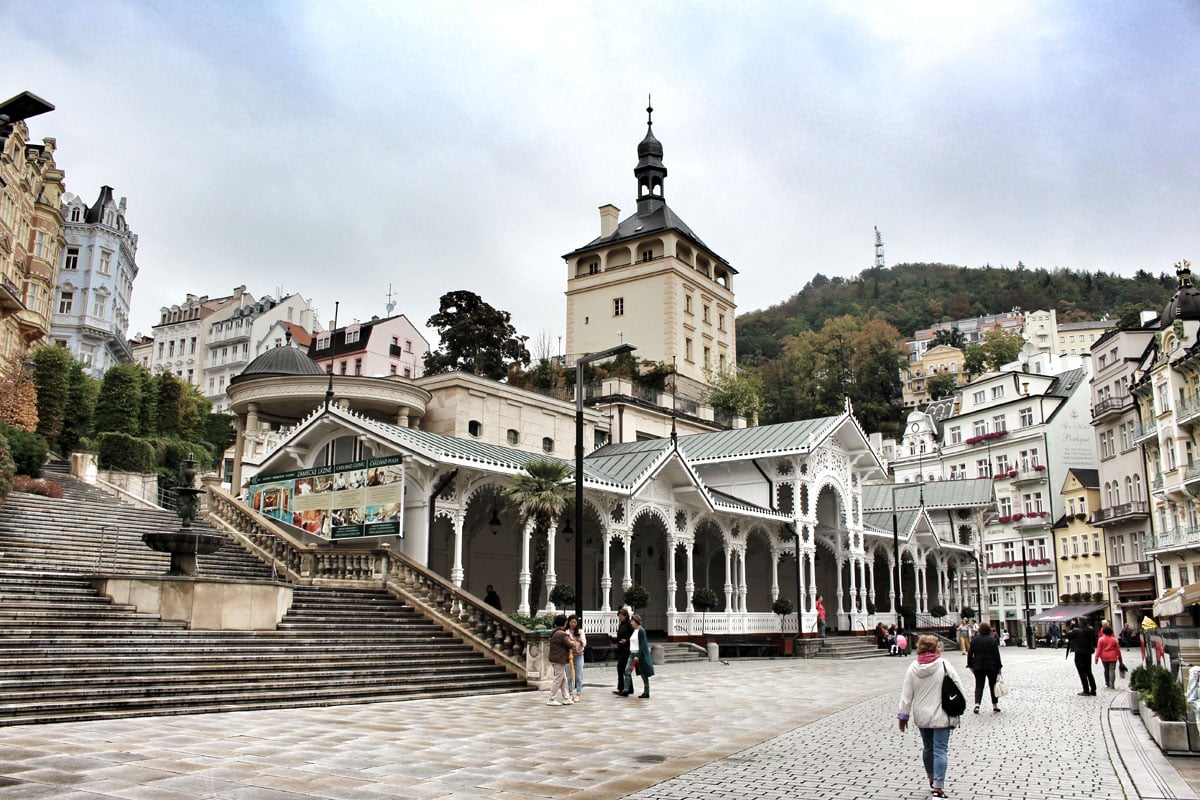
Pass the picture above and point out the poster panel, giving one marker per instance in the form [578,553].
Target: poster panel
[341,501]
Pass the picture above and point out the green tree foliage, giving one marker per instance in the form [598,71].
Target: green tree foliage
[51,367]
[118,450]
[942,385]
[475,338]
[81,404]
[539,493]
[915,296]
[119,400]
[148,409]
[850,356]
[219,431]
[951,337]
[997,349]
[169,393]
[28,450]
[736,392]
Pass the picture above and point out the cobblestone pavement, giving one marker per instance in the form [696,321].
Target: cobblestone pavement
[760,729]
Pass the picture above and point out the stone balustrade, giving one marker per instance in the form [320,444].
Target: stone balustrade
[480,625]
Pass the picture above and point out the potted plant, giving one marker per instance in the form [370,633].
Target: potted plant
[704,600]
[784,606]
[1167,725]
[967,612]
[637,597]
[938,611]
[562,595]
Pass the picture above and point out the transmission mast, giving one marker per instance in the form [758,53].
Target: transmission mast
[878,248]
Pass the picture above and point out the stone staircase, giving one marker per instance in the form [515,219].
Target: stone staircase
[677,652]
[66,653]
[849,648]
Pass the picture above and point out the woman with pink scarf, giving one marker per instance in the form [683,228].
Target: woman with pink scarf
[921,704]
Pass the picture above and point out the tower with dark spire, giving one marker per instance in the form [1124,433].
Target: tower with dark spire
[650,280]
[650,172]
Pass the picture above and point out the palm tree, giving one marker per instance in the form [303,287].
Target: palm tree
[540,494]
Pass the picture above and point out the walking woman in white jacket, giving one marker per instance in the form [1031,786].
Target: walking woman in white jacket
[921,704]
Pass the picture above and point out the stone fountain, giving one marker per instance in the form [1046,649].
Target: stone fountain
[185,544]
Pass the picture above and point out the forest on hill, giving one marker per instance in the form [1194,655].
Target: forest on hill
[914,296]
[841,338]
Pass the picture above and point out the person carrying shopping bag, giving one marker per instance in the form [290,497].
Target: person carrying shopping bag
[1108,652]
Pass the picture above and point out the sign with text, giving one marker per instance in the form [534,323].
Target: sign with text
[342,501]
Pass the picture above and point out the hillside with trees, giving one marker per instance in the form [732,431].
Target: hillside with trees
[843,337]
[914,296]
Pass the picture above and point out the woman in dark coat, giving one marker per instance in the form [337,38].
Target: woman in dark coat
[624,631]
[983,658]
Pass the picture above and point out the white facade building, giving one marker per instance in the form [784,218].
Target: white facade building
[90,314]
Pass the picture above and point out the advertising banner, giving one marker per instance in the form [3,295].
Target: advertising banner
[342,501]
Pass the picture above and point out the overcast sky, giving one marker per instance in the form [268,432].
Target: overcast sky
[336,149]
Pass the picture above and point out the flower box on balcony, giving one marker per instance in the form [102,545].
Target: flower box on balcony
[1018,517]
[1039,467]
[1004,519]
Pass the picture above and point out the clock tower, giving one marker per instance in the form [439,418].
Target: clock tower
[650,280]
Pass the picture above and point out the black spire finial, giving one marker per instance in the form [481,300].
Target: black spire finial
[649,112]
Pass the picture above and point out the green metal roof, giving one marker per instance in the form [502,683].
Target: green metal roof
[972,493]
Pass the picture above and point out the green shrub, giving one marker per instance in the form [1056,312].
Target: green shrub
[783,606]
[967,612]
[637,597]
[562,595]
[1139,679]
[125,452]
[705,599]
[938,611]
[543,622]
[1167,698]
[28,450]
[7,469]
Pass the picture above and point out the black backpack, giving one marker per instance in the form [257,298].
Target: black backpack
[954,702]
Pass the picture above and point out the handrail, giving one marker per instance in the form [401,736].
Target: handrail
[481,626]
[125,494]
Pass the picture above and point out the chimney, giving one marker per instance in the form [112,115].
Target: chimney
[609,217]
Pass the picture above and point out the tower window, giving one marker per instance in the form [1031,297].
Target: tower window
[593,268]
[687,303]
[647,255]
[706,317]
[475,427]
[687,349]
[619,307]
[513,436]
[547,444]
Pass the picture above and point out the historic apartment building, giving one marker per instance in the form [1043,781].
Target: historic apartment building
[1166,394]
[241,331]
[31,240]
[380,347]
[1023,429]
[178,345]
[95,282]
[1123,510]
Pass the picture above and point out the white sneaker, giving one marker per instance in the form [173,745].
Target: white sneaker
[553,703]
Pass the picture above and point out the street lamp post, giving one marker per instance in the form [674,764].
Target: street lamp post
[585,359]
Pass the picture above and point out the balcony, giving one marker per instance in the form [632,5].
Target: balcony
[1133,569]
[1032,474]
[1177,538]
[10,295]
[1010,567]
[1111,406]
[1188,410]
[1032,519]
[1146,429]
[1111,515]
[1156,485]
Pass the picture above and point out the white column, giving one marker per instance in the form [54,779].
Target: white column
[523,608]
[839,595]
[627,578]
[456,571]
[672,586]
[728,582]
[690,586]
[551,572]
[606,578]
[742,587]
[774,576]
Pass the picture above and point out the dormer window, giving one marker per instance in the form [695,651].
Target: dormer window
[352,335]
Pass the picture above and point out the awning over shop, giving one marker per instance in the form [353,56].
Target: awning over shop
[1067,612]
[1191,594]
[1169,603]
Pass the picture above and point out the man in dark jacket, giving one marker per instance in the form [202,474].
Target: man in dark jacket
[983,658]
[624,631]
[1081,640]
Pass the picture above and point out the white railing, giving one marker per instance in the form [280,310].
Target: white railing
[719,623]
